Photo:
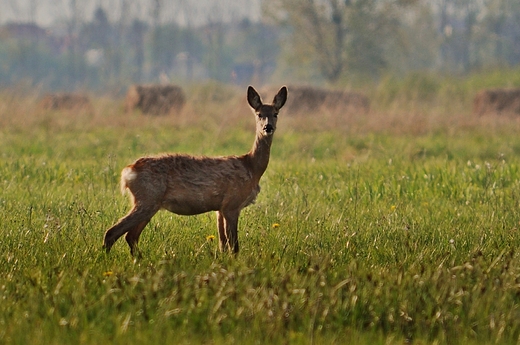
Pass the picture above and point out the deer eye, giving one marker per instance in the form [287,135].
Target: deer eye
[275,114]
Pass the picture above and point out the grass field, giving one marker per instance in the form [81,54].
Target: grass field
[399,226]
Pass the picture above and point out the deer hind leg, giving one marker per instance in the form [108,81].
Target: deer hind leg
[228,230]
[132,236]
[132,224]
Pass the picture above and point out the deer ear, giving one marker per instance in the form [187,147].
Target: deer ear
[253,98]
[280,98]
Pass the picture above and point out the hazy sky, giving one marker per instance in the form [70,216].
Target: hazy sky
[193,12]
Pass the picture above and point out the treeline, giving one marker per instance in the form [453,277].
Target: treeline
[333,42]
[103,55]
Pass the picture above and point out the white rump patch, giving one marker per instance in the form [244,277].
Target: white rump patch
[128,174]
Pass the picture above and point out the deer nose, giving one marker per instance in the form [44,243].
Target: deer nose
[268,128]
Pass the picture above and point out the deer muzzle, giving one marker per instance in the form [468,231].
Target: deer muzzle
[269,129]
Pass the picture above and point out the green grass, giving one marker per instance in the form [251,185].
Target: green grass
[358,236]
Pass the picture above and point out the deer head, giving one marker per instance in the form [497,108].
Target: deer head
[266,114]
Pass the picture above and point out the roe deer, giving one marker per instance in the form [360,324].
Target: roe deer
[189,185]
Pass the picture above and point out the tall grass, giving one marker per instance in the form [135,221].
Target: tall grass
[382,228]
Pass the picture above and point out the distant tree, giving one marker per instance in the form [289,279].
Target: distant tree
[216,58]
[501,24]
[136,40]
[340,35]
[157,42]
[75,55]
[255,49]
[477,33]
[98,36]
[100,29]
[459,24]
[418,43]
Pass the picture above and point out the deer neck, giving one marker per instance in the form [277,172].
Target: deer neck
[259,155]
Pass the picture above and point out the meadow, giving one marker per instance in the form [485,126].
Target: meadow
[396,226]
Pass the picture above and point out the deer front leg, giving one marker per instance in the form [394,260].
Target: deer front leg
[228,230]
[223,240]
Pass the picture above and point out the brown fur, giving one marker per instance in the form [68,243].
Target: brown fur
[65,101]
[155,99]
[189,185]
[497,101]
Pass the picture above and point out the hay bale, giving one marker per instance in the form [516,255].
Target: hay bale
[304,99]
[66,101]
[155,99]
[497,101]
[348,101]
